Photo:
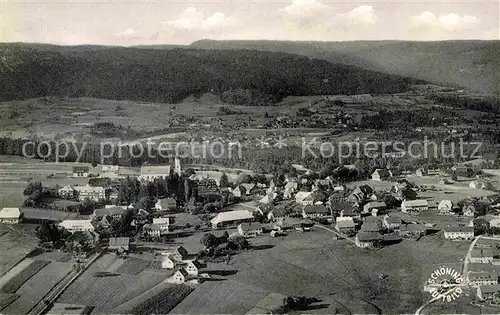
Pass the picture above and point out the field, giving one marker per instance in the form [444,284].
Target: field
[315,265]
[38,286]
[108,292]
[158,300]
[17,241]
[18,280]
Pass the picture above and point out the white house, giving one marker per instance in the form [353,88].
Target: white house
[162,223]
[379,205]
[81,171]
[66,192]
[414,205]
[167,263]
[10,215]
[445,206]
[180,276]
[90,192]
[166,204]
[381,174]
[77,225]
[459,233]
[152,230]
[193,267]
[249,229]
[477,278]
[304,198]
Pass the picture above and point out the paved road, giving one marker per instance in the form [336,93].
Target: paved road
[59,288]
[464,272]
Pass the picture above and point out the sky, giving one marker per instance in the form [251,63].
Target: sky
[153,22]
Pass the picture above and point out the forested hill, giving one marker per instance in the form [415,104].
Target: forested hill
[470,64]
[27,71]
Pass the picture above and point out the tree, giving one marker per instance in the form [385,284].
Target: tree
[33,188]
[49,232]
[209,240]
[224,181]
[238,242]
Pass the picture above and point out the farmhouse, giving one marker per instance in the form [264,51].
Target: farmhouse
[179,254]
[193,267]
[167,263]
[445,206]
[345,226]
[487,292]
[279,213]
[379,205]
[163,224]
[482,255]
[231,218]
[315,211]
[114,212]
[371,224]
[412,230]
[360,193]
[166,204]
[207,187]
[150,172]
[152,230]
[481,184]
[249,229]
[92,193]
[180,276]
[304,198]
[368,239]
[459,233]
[381,174]
[119,243]
[337,196]
[391,222]
[81,171]
[77,225]
[349,212]
[10,215]
[66,192]
[477,278]
[414,205]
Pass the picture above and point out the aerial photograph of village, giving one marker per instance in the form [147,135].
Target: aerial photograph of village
[239,157]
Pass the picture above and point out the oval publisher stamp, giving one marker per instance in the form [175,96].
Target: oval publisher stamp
[445,284]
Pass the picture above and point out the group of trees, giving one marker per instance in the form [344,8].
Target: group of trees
[217,246]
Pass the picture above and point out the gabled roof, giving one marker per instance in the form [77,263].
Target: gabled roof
[232,216]
[155,170]
[248,186]
[371,224]
[10,213]
[302,195]
[369,236]
[80,169]
[416,203]
[341,205]
[490,288]
[393,220]
[249,226]
[346,224]
[167,202]
[375,204]
[464,229]
[382,172]
[77,224]
[183,272]
[109,211]
[315,209]
[119,241]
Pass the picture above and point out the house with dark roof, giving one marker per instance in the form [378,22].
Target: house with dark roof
[483,255]
[193,267]
[371,224]
[119,243]
[368,239]
[316,211]
[391,222]
[250,229]
[488,292]
[379,205]
[113,212]
[381,174]
[166,204]
[180,276]
[179,254]
[345,226]
[477,278]
[459,233]
[81,171]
